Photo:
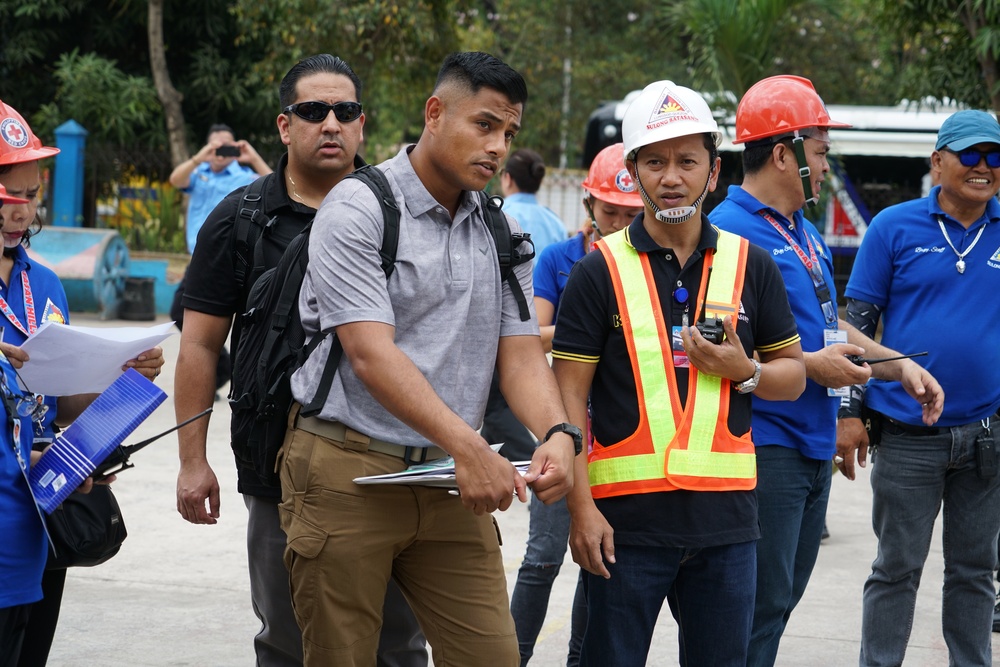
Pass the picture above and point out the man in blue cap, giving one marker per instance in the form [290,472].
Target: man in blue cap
[929,266]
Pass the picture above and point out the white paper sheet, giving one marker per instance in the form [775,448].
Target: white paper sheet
[436,473]
[66,360]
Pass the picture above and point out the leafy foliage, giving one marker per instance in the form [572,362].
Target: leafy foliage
[731,45]
[112,105]
[948,48]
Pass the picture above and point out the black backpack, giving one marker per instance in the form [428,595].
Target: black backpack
[272,343]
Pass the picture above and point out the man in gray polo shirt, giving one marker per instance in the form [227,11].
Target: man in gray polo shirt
[419,351]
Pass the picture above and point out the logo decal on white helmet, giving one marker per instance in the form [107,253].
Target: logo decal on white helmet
[668,110]
[624,181]
[14,133]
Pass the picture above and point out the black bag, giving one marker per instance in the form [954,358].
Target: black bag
[86,529]
[272,342]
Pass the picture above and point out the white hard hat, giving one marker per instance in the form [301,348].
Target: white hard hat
[665,110]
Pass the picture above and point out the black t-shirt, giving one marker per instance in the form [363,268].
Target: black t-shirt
[589,327]
[211,285]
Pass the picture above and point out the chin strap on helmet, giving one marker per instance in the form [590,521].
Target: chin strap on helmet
[593,219]
[678,214]
[799,146]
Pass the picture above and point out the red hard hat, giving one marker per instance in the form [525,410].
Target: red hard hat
[17,142]
[9,199]
[609,181]
[780,105]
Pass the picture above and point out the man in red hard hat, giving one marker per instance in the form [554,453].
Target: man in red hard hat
[785,127]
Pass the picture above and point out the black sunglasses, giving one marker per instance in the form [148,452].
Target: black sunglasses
[970,157]
[316,112]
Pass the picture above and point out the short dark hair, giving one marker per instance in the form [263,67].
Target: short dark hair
[219,127]
[527,169]
[475,70]
[755,157]
[322,63]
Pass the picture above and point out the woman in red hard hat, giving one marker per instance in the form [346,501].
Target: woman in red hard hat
[31,294]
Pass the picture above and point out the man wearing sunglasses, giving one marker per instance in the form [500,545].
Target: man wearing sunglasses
[322,149]
[932,266]
[419,353]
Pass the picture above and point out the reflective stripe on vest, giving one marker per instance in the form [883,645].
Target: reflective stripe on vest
[673,446]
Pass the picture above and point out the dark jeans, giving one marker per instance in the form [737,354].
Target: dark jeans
[912,478]
[710,592]
[792,495]
[548,532]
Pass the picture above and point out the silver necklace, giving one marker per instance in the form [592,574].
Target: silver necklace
[960,264]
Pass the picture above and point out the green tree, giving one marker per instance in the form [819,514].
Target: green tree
[395,46]
[112,105]
[947,48]
[607,49]
[731,45]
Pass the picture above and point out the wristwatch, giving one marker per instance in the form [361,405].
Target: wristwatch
[750,384]
[573,431]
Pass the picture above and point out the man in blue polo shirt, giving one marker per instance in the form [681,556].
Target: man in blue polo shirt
[222,165]
[784,124]
[929,266]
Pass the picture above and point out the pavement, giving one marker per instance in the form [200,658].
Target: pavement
[178,595]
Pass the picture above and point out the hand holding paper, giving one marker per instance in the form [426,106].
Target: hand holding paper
[66,360]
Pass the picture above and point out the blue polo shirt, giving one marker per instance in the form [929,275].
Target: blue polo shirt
[50,305]
[906,267]
[808,424]
[23,548]
[206,189]
[544,226]
[553,266]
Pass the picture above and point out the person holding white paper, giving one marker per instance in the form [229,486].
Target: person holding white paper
[31,294]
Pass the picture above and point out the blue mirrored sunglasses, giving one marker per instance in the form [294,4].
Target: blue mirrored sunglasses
[970,157]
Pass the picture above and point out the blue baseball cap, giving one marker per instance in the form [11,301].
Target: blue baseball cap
[968,128]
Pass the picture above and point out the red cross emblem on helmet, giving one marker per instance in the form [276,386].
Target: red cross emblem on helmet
[13,133]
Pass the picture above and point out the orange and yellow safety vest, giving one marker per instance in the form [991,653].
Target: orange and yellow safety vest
[675,446]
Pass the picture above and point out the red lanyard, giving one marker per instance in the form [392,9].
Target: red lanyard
[823,294]
[811,262]
[29,308]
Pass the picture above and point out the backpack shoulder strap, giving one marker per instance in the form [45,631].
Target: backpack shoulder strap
[374,178]
[249,229]
[507,244]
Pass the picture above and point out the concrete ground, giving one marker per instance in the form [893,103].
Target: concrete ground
[177,594]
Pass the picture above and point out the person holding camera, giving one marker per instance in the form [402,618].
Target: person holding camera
[222,165]
[665,334]
[925,265]
[216,170]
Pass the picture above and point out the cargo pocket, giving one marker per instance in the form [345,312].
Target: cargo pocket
[305,571]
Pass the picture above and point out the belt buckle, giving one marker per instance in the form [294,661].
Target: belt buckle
[408,458]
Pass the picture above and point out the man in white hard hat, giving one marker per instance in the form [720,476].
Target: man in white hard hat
[671,328]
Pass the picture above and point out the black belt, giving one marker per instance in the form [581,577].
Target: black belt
[896,427]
